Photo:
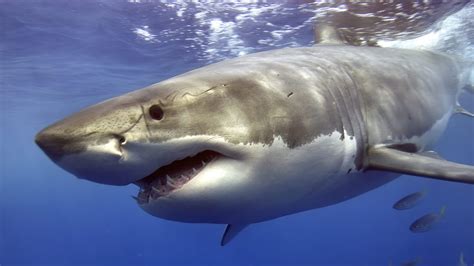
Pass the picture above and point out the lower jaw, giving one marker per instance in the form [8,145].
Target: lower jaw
[174,176]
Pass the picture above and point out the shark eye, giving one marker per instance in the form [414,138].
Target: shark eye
[156,112]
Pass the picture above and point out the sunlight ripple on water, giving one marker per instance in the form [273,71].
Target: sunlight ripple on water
[105,48]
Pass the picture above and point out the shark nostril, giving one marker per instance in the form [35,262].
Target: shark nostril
[122,140]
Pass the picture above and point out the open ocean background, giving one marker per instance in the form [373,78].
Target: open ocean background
[57,57]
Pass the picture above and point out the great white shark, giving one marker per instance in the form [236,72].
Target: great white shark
[270,134]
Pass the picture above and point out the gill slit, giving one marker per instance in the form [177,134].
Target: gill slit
[360,123]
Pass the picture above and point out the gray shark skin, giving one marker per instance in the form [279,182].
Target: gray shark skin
[290,130]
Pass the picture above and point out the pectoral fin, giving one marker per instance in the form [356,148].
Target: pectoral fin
[393,160]
[230,232]
[432,154]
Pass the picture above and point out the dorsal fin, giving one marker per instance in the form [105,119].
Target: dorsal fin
[326,34]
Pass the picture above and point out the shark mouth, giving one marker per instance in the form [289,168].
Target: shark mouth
[173,176]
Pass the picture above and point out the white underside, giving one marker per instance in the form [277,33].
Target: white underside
[273,180]
[269,181]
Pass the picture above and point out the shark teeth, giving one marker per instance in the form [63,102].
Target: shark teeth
[170,182]
[173,176]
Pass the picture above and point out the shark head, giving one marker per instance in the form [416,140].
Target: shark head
[202,147]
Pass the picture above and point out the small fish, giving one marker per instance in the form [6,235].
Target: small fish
[461,260]
[412,262]
[425,223]
[409,201]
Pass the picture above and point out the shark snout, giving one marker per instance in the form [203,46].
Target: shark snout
[98,157]
[57,144]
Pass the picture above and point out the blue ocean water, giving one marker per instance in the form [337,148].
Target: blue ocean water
[57,57]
